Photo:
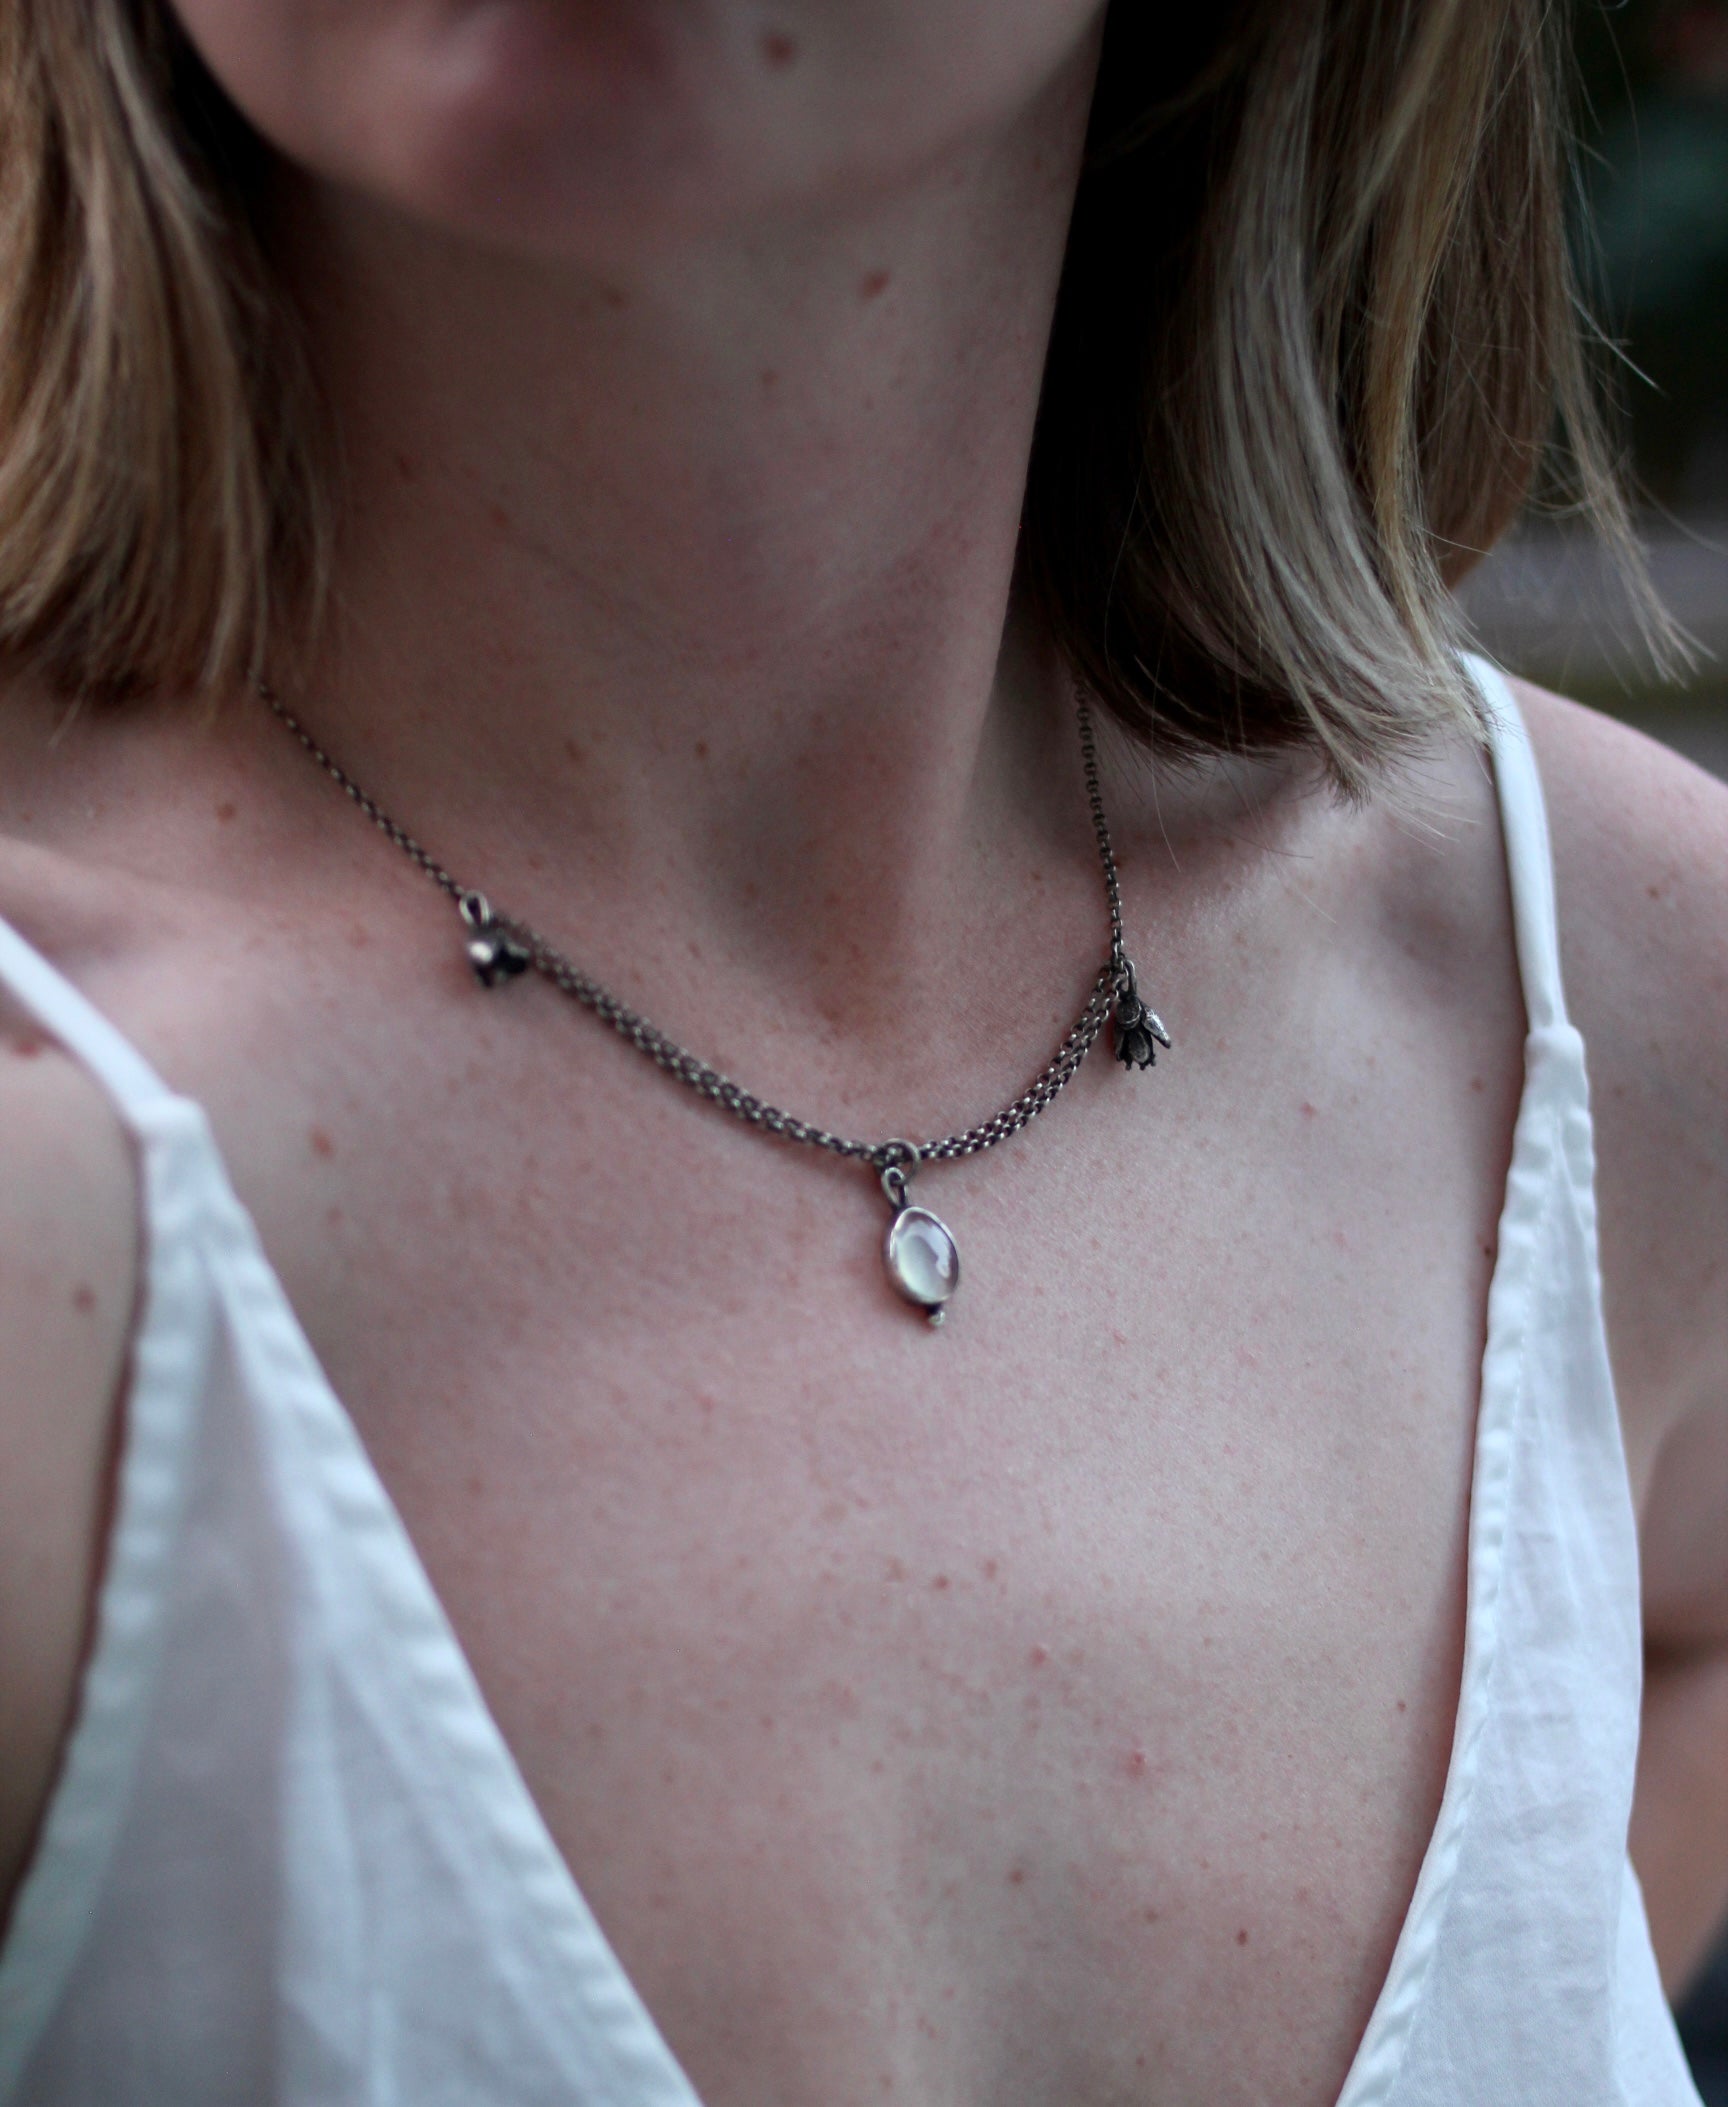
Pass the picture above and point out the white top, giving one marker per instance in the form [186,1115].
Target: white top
[290,1859]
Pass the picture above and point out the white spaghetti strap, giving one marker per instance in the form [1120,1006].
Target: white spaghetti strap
[1529,854]
[46,995]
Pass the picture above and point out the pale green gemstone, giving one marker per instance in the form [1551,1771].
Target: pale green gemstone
[922,1260]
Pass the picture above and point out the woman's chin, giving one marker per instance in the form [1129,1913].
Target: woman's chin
[565,131]
[595,130]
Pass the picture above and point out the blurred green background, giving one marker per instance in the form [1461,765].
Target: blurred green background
[1652,245]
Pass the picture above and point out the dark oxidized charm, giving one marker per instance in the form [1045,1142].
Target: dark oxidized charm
[494,952]
[1136,1031]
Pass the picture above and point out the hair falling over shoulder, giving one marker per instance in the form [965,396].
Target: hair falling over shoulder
[1317,331]
[163,523]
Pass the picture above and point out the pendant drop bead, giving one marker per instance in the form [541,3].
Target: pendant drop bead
[919,1250]
[923,1260]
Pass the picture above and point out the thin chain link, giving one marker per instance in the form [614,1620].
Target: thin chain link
[719,1089]
[1101,833]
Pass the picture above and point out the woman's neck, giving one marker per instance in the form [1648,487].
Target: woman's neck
[693,572]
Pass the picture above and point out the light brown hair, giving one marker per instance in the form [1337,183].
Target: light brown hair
[1316,327]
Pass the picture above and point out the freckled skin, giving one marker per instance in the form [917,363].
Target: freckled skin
[1052,1682]
[1221,1468]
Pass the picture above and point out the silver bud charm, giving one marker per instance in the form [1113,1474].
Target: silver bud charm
[1136,1031]
[494,951]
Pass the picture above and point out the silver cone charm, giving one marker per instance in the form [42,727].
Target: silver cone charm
[921,1255]
[1135,1031]
[494,951]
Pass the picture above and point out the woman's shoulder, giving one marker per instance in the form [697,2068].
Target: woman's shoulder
[1640,843]
[1641,879]
[69,1247]
[68,1283]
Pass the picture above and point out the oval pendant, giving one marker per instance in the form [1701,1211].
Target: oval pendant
[923,1260]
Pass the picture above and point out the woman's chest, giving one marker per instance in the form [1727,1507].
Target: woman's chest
[1016,1747]
[1051,1709]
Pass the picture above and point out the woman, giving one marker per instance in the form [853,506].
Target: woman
[1207,1670]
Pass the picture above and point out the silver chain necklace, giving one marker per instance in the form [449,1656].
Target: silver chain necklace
[919,1250]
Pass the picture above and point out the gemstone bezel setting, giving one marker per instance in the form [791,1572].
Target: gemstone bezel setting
[922,1259]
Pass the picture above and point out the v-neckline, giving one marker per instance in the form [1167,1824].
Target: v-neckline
[1374,2064]
[552,1884]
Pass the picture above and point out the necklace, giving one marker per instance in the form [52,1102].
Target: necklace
[919,1250]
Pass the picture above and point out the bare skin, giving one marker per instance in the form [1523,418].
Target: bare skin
[896,1700]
